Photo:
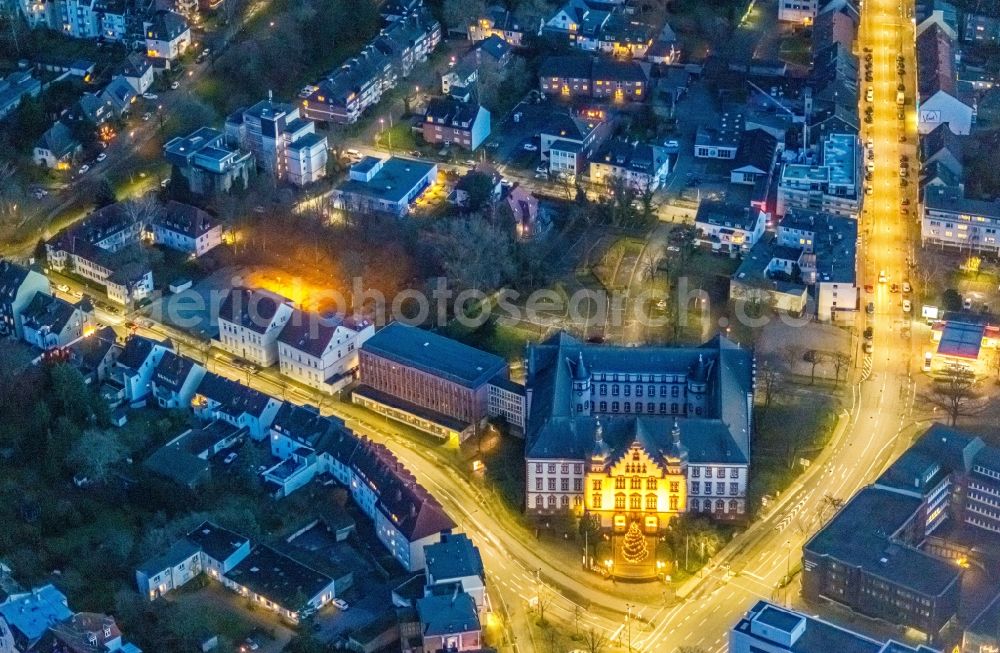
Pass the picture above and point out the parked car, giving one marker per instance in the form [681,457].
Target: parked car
[906,287]
[146,116]
[61,287]
[869,333]
[341,603]
[84,168]
[150,96]
[530,147]
[870,308]
[174,85]
[967,303]
[906,306]
[869,347]
[101,156]
[928,357]
[230,458]
[894,287]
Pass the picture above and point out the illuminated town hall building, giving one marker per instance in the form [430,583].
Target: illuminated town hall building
[636,435]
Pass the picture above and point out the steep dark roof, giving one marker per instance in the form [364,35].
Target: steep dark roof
[451,112]
[757,148]
[233,398]
[312,332]
[184,219]
[217,542]
[172,371]
[48,311]
[137,350]
[720,435]
[12,276]
[89,352]
[566,66]
[251,308]
[935,62]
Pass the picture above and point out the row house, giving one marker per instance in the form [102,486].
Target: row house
[218,398]
[343,95]
[406,517]
[48,322]
[136,366]
[576,76]
[208,549]
[500,22]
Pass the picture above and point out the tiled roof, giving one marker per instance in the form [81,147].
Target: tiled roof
[252,308]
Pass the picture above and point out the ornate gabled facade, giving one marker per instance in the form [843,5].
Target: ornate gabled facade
[638,434]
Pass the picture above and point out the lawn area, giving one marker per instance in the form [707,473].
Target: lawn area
[777,448]
[398,138]
[796,49]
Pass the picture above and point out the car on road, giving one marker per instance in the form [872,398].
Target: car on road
[881,277]
[61,287]
[101,157]
[672,145]
[230,458]
[341,603]
[84,168]
[174,85]
[150,96]
[906,305]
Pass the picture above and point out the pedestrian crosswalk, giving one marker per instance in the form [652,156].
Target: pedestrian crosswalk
[866,368]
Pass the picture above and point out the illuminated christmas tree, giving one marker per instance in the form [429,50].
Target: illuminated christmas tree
[634,549]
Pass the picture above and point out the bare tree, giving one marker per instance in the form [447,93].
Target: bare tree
[815,357]
[594,641]
[769,378]
[792,355]
[829,505]
[841,361]
[956,391]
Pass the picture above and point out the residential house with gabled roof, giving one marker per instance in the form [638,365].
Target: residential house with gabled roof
[683,414]
[567,140]
[49,322]
[93,108]
[96,355]
[137,364]
[120,94]
[175,380]
[755,159]
[944,146]
[167,37]
[500,22]
[448,121]
[579,76]
[939,99]
[138,71]
[185,228]
[522,207]
[344,94]
[729,228]
[218,398]
[409,40]
[321,351]
[56,147]
[250,321]
[208,548]
[640,166]
[18,286]
[29,615]
[105,248]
